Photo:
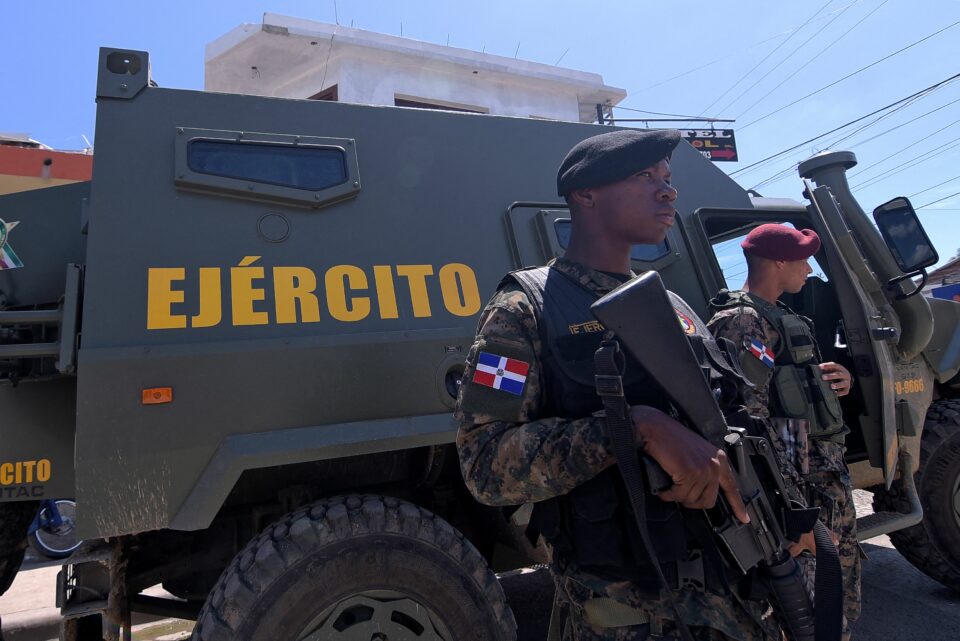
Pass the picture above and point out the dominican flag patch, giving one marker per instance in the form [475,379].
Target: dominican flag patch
[762,352]
[500,372]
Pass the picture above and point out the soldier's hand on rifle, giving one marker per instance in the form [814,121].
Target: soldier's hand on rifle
[699,470]
[840,377]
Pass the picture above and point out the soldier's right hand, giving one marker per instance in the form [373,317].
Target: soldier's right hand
[698,469]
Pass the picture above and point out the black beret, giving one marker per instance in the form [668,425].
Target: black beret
[613,156]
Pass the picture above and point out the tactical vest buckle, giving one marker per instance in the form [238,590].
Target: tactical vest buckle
[608,385]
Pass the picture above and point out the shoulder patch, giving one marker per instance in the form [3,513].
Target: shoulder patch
[688,326]
[499,383]
[501,373]
[763,353]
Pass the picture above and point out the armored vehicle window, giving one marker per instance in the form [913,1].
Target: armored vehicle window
[300,167]
[734,265]
[643,253]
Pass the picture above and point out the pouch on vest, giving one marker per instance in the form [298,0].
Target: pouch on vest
[790,387]
[597,535]
[828,416]
[797,339]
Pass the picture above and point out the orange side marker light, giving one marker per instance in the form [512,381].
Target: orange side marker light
[157,395]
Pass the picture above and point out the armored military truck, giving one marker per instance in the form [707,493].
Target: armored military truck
[238,348]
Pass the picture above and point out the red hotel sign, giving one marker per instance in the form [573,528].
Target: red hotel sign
[717,145]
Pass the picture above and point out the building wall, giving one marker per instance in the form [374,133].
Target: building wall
[295,58]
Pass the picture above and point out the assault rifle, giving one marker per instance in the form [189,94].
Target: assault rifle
[645,322]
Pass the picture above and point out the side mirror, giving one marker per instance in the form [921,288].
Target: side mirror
[904,235]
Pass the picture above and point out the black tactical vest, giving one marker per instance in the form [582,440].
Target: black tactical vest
[593,526]
[797,389]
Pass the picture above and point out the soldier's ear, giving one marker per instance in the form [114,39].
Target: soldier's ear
[583,198]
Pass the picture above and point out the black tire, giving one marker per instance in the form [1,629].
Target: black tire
[340,567]
[933,545]
[15,519]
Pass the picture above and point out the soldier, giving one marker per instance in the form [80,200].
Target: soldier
[530,430]
[779,354]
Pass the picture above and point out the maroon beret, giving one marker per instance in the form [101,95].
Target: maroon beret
[779,242]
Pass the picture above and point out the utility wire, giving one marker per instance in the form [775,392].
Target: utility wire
[784,172]
[722,58]
[903,124]
[850,75]
[913,162]
[779,64]
[923,191]
[929,89]
[939,200]
[766,57]
[807,63]
[657,113]
[860,129]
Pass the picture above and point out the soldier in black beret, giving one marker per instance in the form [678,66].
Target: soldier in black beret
[530,430]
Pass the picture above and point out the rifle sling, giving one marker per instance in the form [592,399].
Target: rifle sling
[828,587]
[609,362]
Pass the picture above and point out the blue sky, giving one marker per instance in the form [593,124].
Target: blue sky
[748,60]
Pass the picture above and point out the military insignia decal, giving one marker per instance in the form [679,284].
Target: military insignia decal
[501,373]
[686,323]
[8,257]
[763,353]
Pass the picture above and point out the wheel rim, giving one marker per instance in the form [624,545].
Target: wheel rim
[376,615]
[61,539]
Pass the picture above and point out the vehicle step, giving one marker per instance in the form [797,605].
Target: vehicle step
[878,523]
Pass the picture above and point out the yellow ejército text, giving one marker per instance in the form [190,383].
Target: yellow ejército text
[21,472]
[346,293]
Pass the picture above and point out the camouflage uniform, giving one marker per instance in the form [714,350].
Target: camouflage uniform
[823,472]
[511,454]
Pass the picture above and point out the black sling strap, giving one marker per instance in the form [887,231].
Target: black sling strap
[609,362]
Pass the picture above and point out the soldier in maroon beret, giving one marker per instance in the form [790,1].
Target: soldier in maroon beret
[794,389]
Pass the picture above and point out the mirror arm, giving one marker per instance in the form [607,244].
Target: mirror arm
[893,282]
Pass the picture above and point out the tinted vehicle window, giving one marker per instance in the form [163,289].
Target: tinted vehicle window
[299,167]
[644,253]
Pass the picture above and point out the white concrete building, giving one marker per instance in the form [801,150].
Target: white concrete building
[296,58]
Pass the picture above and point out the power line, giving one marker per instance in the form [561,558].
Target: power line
[903,124]
[807,63]
[873,122]
[850,75]
[722,58]
[927,90]
[788,56]
[923,191]
[782,173]
[939,200]
[657,113]
[766,57]
[913,162]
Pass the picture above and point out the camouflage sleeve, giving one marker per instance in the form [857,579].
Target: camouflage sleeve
[743,325]
[509,453]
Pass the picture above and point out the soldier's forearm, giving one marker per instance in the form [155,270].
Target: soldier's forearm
[510,464]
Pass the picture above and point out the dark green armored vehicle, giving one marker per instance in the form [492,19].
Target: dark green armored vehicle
[239,346]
